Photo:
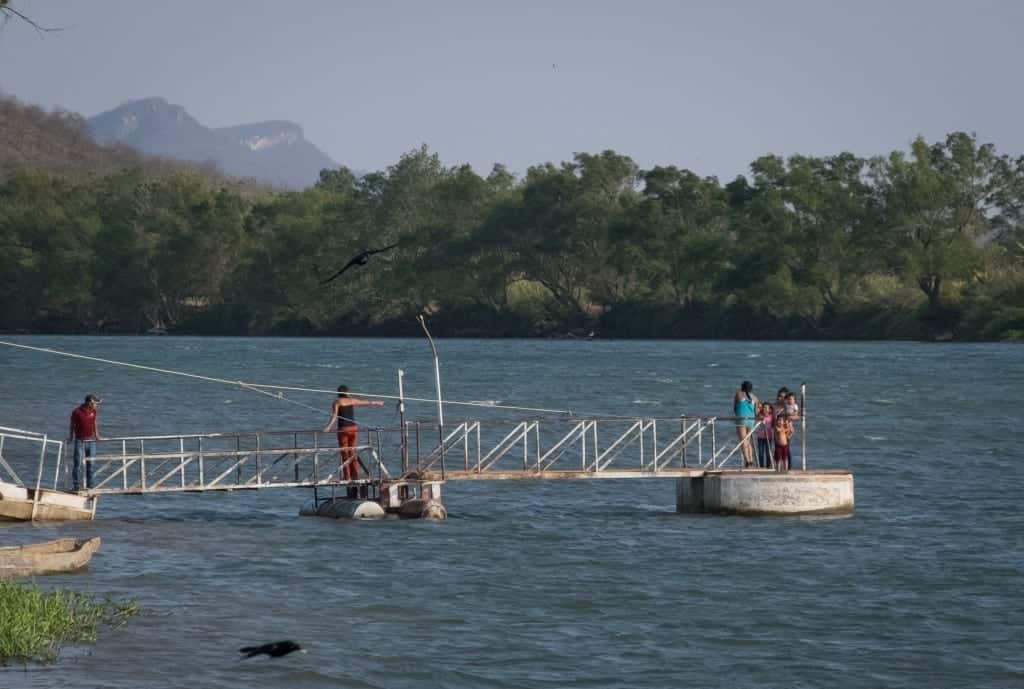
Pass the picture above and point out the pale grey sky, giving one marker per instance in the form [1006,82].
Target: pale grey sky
[704,85]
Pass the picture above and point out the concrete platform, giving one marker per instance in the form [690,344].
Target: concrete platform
[765,492]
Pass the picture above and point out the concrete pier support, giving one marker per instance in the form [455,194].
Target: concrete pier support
[767,492]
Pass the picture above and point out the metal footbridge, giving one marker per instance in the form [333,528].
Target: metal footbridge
[596,448]
[398,466]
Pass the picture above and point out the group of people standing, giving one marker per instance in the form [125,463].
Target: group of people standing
[770,424]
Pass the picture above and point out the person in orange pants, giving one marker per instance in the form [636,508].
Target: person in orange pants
[343,412]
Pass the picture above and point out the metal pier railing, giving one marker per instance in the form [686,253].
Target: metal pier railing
[223,461]
[17,444]
[601,447]
[462,450]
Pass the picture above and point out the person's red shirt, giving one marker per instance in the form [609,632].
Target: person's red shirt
[83,422]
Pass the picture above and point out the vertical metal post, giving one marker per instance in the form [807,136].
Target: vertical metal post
[437,373]
[641,429]
[259,456]
[39,478]
[238,463]
[202,462]
[803,426]
[316,453]
[181,459]
[437,385]
[536,437]
[401,417]
[444,464]
[526,445]
[654,442]
[714,445]
[124,465]
[380,462]
[56,473]
[417,447]
[142,464]
[685,443]
[583,444]
[2,438]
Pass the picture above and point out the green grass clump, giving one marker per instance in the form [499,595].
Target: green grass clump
[34,622]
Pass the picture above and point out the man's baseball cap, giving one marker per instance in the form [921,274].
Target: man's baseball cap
[92,398]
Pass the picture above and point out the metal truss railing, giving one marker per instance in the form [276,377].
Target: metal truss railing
[581,446]
[223,461]
[22,448]
[468,449]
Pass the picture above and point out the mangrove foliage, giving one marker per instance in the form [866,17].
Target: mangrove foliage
[922,243]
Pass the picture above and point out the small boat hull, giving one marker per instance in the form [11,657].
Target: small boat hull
[51,557]
[19,504]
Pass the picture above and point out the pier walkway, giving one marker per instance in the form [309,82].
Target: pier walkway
[402,470]
[467,450]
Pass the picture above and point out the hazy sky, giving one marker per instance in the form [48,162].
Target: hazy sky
[704,85]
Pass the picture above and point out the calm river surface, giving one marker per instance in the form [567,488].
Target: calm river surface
[582,584]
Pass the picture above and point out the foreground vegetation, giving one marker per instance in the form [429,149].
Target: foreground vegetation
[36,622]
[925,243]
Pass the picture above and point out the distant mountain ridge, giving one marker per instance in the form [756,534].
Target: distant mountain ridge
[60,141]
[275,152]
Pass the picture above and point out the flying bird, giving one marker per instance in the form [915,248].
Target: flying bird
[359,259]
[274,650]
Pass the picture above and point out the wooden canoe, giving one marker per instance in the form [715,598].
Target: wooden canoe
[51,557]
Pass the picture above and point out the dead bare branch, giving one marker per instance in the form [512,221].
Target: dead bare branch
[7,13]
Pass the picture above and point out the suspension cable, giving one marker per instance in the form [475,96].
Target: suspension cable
[265,388]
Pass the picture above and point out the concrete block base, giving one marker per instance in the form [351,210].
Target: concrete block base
[752,491]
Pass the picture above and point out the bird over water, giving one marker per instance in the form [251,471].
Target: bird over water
[359,259]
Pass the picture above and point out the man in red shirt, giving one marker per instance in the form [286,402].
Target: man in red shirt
[84,432]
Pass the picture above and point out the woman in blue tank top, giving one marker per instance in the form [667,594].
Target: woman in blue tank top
[744,404]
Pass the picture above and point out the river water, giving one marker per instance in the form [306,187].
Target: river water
[583,584]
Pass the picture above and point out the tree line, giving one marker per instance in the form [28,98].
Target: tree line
[924,243]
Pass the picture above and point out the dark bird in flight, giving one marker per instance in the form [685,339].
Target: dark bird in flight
[274,650]
[359,259]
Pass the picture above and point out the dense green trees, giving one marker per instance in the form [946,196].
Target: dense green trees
[922,243]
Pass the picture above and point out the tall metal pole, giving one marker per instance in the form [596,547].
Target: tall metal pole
[803,425]
[401,417]
[437,385]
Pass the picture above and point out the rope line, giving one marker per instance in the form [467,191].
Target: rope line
[264,388]
[280,396]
